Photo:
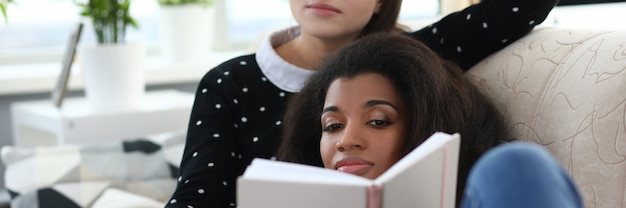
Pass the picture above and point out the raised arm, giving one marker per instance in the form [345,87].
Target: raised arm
[468,36]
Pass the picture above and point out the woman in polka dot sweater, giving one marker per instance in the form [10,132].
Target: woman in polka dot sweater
[238,109]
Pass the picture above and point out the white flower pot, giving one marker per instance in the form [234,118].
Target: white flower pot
[113,76]
[186,32]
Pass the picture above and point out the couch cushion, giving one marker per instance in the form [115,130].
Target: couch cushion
[79,175]
[566,89]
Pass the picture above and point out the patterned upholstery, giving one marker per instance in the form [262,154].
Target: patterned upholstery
[134,173]
[566,89]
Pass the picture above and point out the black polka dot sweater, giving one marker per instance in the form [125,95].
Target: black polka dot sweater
[469,36]
[238,109]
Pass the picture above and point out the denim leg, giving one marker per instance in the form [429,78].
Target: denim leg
[519,174]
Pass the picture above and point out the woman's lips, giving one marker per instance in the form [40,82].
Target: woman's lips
[323,9]
[353,165]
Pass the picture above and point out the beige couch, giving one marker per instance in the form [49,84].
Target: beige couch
[566,89]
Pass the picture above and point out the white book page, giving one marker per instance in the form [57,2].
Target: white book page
[253,193]
[264,169]
[426,177]
[437,141]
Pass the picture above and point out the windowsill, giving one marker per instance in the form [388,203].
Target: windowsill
[39,78]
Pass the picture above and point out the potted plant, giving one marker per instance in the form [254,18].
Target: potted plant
[109,18]
[185,29]
[183,2]
[112,68]
[3,8]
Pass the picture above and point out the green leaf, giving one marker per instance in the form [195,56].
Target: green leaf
[207,3]
[4,12]
[110,18]
[4,4]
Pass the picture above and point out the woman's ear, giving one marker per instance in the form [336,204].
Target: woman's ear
[379,4]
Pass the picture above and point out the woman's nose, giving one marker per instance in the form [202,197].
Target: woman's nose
[351,139]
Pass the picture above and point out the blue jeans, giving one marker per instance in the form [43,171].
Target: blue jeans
[519,174]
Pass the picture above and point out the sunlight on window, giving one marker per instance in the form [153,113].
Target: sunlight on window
[248,19]
[34,27]
[417,9]
[32,24]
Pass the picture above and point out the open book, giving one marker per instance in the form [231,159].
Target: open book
[426,177]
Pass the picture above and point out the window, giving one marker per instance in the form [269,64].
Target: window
[579,2]
[246,21]
[32,44]
[597,14]
[36,33]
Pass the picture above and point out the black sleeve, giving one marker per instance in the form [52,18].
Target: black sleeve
[208,169]
[468,36]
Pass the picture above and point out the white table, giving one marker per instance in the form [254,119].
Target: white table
[40,123]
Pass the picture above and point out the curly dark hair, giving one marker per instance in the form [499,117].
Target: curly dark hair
[436,92]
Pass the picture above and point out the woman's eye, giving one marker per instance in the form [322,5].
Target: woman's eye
[378,123]
[332,127]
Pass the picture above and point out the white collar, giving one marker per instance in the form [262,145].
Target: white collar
[284,75]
